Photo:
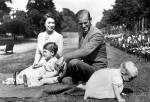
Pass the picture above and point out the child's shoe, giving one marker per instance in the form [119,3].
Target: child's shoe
[15,78]
[8,81]
[59,79]
[25,80]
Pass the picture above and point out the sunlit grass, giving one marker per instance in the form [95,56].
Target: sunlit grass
[139,88]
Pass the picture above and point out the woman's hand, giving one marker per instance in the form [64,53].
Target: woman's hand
[34,66]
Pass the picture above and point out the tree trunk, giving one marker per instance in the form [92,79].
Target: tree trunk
[15,38]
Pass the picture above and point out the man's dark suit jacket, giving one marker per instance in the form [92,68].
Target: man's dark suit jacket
[92,49]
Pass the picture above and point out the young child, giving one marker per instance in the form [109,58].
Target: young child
[108,83]
[48,74]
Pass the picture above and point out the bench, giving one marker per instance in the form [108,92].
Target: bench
[7,48]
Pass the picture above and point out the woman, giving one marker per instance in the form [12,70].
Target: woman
[49,35]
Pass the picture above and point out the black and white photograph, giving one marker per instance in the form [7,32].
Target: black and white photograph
[74,50]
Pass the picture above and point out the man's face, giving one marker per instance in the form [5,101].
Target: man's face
[85,24]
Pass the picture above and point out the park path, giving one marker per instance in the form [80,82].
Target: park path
[23,47]
[19,48]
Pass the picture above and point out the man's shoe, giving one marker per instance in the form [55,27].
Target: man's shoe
[59,79]
[68,80]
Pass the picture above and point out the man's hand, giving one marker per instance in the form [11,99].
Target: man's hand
[59,63]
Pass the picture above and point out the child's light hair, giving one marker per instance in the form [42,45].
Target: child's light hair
[130,68]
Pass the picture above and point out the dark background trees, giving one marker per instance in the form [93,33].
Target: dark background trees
[3,8]
[133,14]
[69,22]
[27,24]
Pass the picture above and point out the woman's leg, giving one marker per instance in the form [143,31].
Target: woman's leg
[19,78]
[79,70]
[29,72]
[36,82]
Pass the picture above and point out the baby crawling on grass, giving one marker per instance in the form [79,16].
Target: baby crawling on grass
[108,83]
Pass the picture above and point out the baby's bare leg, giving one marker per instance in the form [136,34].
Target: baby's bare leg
[81,86]
[48,80]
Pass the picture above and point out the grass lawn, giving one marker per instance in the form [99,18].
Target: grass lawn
[138,90]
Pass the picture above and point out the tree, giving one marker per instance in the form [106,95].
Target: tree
[21,15]
[33,23]
[37,9]
[3,8]
[69,20]
[14,26]
[126,12]
[43,6]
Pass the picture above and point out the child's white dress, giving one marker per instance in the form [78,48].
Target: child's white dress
[47,68]
[100,83]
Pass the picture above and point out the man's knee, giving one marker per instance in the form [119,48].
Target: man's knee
[73,65]
[73,62]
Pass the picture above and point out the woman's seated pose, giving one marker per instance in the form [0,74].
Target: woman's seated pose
[49,35]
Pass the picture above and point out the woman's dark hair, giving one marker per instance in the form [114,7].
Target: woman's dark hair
[47,15]
[51,46]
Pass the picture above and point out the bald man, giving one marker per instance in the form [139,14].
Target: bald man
[91,54]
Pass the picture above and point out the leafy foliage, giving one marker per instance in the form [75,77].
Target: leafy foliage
[28,23]
[3,8]
[14,26]
[126,12]
[43,6]
[69,22]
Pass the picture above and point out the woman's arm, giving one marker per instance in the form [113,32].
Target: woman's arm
[38,54]
[37,57]
[117,93]
[60,46]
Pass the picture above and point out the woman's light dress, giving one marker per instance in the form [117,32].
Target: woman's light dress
[43,38]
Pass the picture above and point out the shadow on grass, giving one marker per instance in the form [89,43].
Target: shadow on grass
[127,90]
[8,53]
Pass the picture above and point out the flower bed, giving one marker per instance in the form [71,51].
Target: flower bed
[136,45]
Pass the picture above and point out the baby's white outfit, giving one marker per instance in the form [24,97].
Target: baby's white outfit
[100,83]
